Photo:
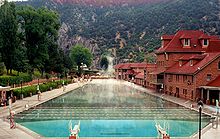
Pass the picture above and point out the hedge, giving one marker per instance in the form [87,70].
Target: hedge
[28,90]
[5,80]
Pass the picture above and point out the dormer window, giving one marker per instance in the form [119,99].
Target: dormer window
[208,77]
[205,42]
[219,65]
[180,63]
[191,62]
[166,56]
[186,42]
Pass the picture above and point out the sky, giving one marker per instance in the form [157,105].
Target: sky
[15,0]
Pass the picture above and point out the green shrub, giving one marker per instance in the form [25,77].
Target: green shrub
[25,91]
[5,80]
[37,74]
[43,88]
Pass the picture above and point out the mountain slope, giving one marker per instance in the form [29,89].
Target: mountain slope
[130,30]
[109,2]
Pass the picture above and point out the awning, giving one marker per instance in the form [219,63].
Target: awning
[213,85]
[157,72]
[210,87]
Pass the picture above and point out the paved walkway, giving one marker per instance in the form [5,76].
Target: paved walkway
[19,106]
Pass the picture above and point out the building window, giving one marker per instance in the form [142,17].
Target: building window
[192,95]
[186,42]
[170,78]
[171,89]
[177,78]
[219,65]
[209,76]
[184,78]
[205,42]
[185,92]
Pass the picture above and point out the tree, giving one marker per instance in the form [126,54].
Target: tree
[2,66]
[20,61]
[80,55]
[104,62]
[8,34]
[56,62]
[40,30]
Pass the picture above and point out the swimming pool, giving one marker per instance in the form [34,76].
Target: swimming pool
[110,110]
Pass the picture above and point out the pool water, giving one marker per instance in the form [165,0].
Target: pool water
[110,109]
[113,128]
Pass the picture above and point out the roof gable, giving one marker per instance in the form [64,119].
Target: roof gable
[195,36]
[203,61]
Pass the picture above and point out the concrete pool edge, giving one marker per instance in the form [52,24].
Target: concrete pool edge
[204,130]
[28,131]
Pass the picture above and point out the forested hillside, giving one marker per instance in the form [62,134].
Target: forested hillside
[130,30]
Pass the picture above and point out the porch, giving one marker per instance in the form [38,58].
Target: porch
[209,94]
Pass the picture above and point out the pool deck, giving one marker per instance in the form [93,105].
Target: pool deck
[23,133]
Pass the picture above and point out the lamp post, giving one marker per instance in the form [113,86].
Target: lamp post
[200,105]
[80,69]
[38,88]
[59,75]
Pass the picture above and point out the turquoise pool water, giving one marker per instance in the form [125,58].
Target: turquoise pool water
[109,109]
[112,128]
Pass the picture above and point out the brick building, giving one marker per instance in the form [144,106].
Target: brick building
[135,72]
[190,60]
[187,66]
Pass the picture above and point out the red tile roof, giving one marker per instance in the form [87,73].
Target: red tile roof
[126,66]
[214,46]
[187,69]
[157,71]
[186,57]
[215,83]
[118,66]
[151,66]
[138,65]
[195,46]
[205,36]
[198,57]
[131,65]
[167,37]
